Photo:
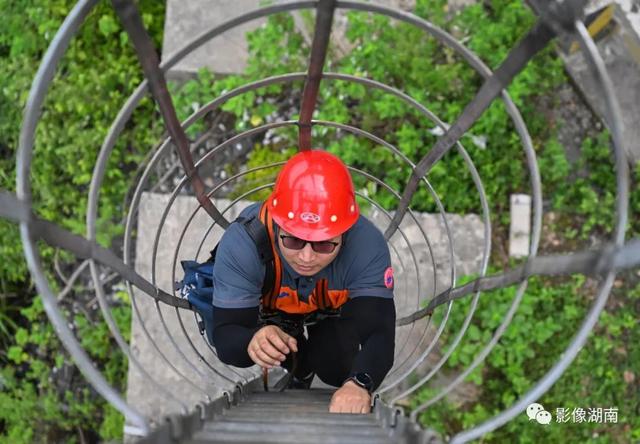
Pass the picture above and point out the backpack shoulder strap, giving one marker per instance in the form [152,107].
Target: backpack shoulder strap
[258,233]
[260,230]
[212,254]
[262,236]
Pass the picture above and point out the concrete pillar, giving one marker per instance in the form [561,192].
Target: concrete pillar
[227,54]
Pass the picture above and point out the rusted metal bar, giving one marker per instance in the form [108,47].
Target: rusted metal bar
[537,38]
[15,210]
[324,20]
[132,22]
[593,263]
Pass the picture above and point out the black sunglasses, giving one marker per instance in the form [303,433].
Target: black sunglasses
[295,243]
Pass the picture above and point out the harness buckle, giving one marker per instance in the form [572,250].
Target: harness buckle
[293,324]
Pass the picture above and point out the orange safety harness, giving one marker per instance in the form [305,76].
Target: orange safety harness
[292,324]
[273,275]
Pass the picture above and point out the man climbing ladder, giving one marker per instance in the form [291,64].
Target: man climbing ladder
[331,272]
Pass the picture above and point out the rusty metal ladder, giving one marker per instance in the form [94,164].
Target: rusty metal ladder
[301,416]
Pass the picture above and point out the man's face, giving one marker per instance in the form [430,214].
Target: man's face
[307,262]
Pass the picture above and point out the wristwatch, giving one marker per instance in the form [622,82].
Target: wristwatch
[362,380]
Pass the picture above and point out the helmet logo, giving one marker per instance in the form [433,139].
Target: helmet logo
[310,218]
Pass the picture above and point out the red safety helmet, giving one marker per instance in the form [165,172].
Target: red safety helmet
[313,198]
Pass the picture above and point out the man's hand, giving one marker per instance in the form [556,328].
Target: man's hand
[350,398]
[270,345]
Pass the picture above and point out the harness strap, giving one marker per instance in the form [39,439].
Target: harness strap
[325,296]
[266,243]
[275,272]
[322,295]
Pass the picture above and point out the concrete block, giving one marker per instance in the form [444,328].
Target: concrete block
[228,53]
[520,227]
[424,269]
[163,271]
[619,46]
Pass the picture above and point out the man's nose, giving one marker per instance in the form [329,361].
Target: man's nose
[307,253]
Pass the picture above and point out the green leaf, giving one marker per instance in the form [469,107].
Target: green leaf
[16,354]
[107,25]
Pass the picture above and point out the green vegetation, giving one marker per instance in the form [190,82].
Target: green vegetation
[43,396]
[545,322]
[100,71]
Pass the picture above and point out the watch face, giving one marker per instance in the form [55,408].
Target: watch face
[364,380]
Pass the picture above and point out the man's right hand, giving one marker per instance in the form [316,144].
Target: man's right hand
[270,345]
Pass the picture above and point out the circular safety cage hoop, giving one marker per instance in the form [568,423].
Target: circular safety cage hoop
[423,248]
